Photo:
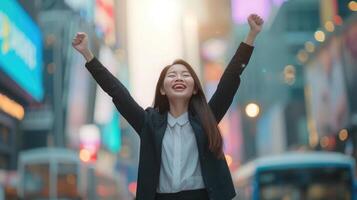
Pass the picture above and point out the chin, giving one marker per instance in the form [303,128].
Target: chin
[180,96]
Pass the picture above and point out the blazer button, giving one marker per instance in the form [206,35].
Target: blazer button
[243,65]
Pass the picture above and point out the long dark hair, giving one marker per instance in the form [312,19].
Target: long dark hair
[198,104]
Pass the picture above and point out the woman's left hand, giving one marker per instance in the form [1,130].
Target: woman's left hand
[256,23]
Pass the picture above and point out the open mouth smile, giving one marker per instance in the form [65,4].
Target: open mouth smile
[179,86]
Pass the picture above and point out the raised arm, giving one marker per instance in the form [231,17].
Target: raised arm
[123,101]
[230,80]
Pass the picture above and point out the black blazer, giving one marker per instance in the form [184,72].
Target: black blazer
[150,126]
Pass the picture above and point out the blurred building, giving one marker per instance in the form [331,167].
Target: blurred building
[49,99]
[291,29]
[330,88]
[274,78]
[278,78]
[21,56]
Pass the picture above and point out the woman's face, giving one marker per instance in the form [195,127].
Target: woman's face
[178,83]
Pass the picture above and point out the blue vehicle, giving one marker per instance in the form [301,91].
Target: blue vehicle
[296,176]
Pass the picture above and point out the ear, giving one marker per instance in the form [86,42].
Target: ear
[194,91]
[162,92]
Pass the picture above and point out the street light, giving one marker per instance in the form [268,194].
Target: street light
[252,110]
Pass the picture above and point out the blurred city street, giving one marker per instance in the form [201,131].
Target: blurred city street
[290,133]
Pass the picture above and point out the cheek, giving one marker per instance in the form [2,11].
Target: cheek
[191,83]
[166,85]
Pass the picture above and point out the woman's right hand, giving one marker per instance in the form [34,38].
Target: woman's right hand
[80,43]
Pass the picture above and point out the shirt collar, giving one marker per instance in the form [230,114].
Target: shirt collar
[181,120]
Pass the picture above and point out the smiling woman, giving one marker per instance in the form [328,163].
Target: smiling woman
[181,154]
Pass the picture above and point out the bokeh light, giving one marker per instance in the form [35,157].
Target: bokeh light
[289,74]
[329,26]
[302,56]
[343,135]
[352,5]
[320,36]
[310,47]
[252,110]
[84,155]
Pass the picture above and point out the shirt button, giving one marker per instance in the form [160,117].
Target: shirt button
[243,65]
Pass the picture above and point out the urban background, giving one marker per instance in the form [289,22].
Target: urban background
[62,138]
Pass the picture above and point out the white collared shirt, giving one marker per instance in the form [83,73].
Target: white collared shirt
[180,167]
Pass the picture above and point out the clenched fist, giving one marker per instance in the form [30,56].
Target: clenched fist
[255,22]
[80,43]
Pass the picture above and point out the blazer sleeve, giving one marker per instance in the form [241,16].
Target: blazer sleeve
[121,97]
[229,82]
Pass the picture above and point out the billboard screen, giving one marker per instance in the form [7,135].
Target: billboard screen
[21,48]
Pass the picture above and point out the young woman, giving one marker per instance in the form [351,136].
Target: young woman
[181,153]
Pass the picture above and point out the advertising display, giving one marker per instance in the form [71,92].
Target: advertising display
[21,48]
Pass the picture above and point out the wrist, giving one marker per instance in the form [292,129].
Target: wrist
[253,34]
[250,38]
[88,55]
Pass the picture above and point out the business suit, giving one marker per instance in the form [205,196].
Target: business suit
[151,125]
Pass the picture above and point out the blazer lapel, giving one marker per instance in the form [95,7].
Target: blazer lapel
[201,138]
[160,132]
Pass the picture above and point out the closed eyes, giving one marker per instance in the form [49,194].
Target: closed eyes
[172,75]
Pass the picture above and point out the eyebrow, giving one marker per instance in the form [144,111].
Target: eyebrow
[186,71]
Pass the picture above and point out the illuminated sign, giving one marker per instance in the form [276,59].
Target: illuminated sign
[105,19]
[11,107]
[21,48]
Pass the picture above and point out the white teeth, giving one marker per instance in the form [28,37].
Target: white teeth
[179,86]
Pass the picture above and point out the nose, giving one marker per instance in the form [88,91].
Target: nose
[179,78]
